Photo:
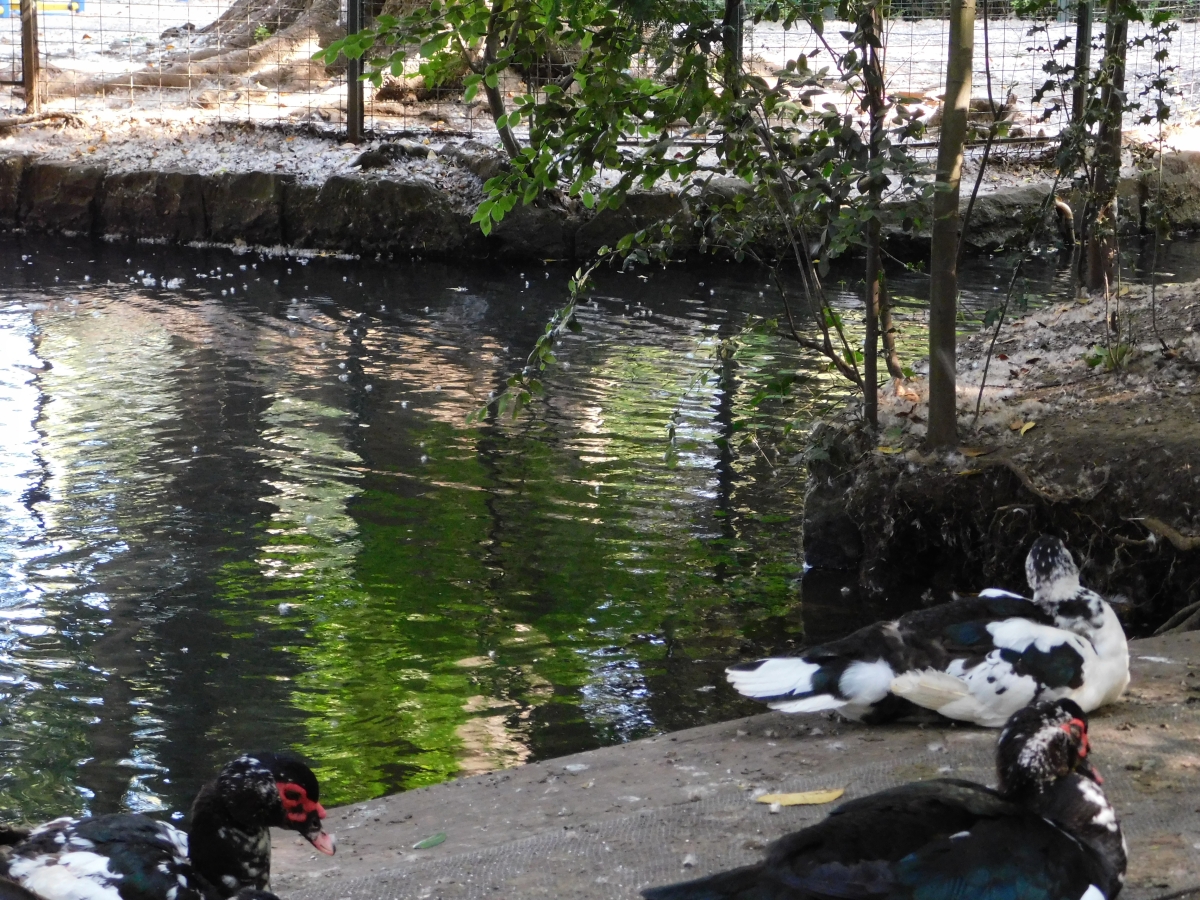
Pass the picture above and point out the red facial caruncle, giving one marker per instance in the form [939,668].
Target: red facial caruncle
[1077,728]
[296,804]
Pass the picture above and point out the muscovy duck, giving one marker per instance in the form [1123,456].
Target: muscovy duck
[978,659]
[134,857]
[1046,833]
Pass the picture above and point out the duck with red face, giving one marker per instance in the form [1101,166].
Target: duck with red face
[1047,832]
[233,815]
[134,857]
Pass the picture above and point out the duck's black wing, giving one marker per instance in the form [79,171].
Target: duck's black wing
[855,849]
[1017,858]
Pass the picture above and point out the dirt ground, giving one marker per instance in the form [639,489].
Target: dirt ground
[604,823]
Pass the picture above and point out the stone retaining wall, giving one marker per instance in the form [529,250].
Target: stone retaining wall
[372,215]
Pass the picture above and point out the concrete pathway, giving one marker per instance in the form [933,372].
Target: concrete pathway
[605,823]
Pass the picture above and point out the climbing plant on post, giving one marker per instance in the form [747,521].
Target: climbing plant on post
[1102,233]
[943,268]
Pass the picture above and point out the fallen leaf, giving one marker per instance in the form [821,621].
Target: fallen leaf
[1026,427]
[805,798]
[976,451]
[1016,425]
[1001,356]
[890,449]
[1032,360]
[971,472]
[432,841]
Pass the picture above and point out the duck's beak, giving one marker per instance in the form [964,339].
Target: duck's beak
[316,835]
[323,841]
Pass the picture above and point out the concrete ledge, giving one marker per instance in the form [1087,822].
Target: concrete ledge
[368,214]
[604,823]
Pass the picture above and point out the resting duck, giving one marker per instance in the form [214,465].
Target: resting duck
[1046,833]
[134,857]
[977,659]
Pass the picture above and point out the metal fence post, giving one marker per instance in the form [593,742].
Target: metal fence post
[30,62]
[1083,58]
[354,87]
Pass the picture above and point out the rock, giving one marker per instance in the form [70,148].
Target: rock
[1003,218]
[154,205]
[479,159]
[640,210]
[58,197]
[372,159]
[12,172]
[245,207]
[390,151]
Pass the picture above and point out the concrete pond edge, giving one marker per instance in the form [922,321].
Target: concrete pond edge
[411,217]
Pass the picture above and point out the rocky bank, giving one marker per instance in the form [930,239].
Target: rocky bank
[1088,427]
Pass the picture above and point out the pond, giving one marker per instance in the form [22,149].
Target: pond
[242,505]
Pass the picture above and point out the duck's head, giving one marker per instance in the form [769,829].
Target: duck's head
[1050,570]
[267,788]
[1040,744]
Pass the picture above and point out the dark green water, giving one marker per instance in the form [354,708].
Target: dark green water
[241,514]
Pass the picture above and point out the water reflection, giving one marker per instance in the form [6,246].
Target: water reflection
[242,507]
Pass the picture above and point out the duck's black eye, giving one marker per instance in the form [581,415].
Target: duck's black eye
[293,795]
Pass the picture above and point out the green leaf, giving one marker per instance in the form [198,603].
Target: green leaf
[432,841]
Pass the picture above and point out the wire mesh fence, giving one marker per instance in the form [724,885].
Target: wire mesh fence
[250,61]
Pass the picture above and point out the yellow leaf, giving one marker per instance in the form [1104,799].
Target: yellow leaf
[890,449]
[971,472]
[1026,427]
[806,798]
[976,451]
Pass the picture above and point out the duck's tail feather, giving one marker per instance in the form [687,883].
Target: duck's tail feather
[795,684]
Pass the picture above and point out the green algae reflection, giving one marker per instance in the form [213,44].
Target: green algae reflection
[264,521]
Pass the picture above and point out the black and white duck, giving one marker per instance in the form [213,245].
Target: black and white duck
[134,857]
[1046,833]
[977,659]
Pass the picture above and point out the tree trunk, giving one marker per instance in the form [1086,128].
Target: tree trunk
[1102,230]
[943,267]
[731,36]
[871,31]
